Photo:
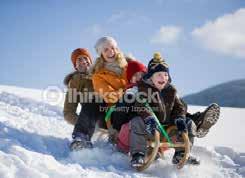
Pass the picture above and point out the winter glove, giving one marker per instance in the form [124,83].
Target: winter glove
[150,125]
[181,124]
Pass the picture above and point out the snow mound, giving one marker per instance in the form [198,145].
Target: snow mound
[34,141]
[30,105]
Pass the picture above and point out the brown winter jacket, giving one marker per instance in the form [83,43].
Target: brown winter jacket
[75,82]
[167,107]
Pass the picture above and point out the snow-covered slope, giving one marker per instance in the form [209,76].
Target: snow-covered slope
[34,142]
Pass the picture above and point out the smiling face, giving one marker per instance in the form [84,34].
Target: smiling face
[109,52]
[160,79]
[82,63]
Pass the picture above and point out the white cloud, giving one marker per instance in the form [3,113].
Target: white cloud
[224,35]
[117,20]
[166,35]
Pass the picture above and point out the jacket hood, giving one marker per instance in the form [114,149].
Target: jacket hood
[68,77]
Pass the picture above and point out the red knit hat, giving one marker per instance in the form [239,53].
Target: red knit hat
[80,52]
[134,67]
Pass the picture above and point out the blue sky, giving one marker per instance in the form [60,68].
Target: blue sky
[202,40]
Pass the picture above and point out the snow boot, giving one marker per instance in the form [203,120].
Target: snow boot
[193,160]
[137,160]
[178,155]
[207,119]
[80,141]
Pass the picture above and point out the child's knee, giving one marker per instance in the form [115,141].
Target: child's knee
[191,126]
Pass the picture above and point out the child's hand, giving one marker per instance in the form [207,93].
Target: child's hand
[150,125]
[181,124]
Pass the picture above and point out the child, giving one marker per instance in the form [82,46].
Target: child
[134,72]
[81,60]
[79,83]
[156,90]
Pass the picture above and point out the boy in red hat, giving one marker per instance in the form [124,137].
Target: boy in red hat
[134,72]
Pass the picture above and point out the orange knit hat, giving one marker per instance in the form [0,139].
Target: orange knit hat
[80,52]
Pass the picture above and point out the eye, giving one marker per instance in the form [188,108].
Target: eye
[106,50]
[80,59]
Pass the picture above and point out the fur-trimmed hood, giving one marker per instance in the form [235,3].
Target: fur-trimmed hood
[69,76]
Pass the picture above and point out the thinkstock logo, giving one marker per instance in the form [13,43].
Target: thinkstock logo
[55,95]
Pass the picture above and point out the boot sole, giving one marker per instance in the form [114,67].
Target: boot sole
[211,117]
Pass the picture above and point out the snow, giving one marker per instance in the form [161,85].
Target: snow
[228,131]
[34,141]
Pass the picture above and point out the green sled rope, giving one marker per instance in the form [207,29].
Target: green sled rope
[109,112]
[159,125]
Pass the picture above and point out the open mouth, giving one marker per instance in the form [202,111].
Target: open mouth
[112,56]
[161,82]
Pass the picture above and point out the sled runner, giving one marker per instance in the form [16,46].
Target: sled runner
[159,144]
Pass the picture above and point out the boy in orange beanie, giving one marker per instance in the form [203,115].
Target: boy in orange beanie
[79,83]
[81,60]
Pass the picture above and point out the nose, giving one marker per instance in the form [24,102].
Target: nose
[162,77]
[84,62]
[111,51]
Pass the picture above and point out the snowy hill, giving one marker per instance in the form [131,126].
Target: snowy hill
[34,142]
[230,94]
